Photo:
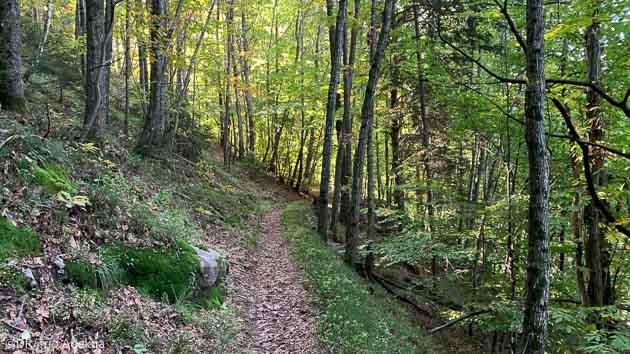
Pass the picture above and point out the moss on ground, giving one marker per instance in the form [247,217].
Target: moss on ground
[167,273]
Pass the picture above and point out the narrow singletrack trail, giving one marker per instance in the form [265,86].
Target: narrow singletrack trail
[276,305]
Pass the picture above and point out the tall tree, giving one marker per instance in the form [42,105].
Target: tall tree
[367,116]
[322,221]
[538,257]
[597,255]
[100,29]
[11,85]
[156,118]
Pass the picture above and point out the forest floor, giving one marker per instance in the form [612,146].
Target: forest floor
[273,298]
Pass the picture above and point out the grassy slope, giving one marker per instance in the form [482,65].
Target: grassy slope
[353,320]
[141,203]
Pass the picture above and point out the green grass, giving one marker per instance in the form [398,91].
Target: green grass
[17,242]
[352,320]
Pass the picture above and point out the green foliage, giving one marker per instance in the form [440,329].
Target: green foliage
[17,242]
[352,320]
[157,216]
[167,273]
[126,331]
[219,324]
[52,178]
[212,298]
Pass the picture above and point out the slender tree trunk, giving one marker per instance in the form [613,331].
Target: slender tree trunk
[597,254]
[152,135]
[127,63]
[396,127]
[426,129]
[95,119]
[538,257]
[42,42]
[79,31]
[346,136]
[388,192]
[11,85]
[367,114]
[226,114]
[143,66]
[249,105]
[322,224]
[107,60]
[334,216]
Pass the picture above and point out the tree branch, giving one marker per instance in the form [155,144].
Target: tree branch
[622,105]
[587,169]
[519,38]
[452,322]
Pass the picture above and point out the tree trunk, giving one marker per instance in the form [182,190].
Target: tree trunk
[322,224]
[426,129]
[597,253]
[152,135]
[11,85]
[143,66]
[42,42]
[346,136]
[107,60]
[396,126]
[94,120]
[249,105]
[80,30]
[367,114]
[226,113]
[538,257]
[334,217]
[127,63]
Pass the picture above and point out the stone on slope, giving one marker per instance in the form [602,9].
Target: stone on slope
[214,267]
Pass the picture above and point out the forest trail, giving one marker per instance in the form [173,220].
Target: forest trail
[275,303]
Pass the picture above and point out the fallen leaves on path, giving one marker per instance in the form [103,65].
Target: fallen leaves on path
[272,297]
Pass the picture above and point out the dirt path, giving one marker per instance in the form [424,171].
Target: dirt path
[273,298]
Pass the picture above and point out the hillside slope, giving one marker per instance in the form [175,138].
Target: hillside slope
[95,257]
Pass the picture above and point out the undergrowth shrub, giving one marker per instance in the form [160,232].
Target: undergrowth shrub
[167,273]
[351,320]
[52,178]
[17,242]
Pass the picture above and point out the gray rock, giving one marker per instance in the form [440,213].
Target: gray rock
[29,278]
[60,265]
[214,267]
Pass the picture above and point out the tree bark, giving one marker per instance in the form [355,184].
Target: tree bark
[367,114]
[227,57]
[597,254]
[538,256]
[152,135]
[42,42]
[346,136]
[249,105]
[143,66]
[426,129]
[99,24]
[322,224]
[80,30]
[127,63]
[11,85]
